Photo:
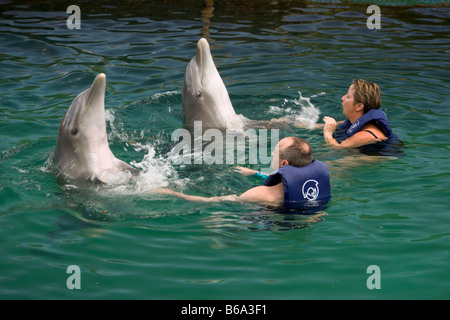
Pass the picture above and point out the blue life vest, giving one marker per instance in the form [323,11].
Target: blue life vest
[304,187]
[376,116]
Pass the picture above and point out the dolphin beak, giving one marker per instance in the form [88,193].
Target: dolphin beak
[91,100]
[97,90]
[203,54]
[95,102]
[202,46]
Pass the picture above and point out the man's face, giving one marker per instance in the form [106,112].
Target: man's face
[277,162]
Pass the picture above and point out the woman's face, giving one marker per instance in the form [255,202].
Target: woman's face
[348,102]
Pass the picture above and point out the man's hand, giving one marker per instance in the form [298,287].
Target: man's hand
[188,197]
[166,191]
[245,171]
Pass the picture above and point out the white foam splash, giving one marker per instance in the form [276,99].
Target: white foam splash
[155,171]
[157,96]
[308,114]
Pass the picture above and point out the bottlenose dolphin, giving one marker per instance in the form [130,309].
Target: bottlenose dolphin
[82,151]
[205,97]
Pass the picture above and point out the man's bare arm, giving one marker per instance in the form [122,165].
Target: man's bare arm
[265,195]
[197,198]
[262,195]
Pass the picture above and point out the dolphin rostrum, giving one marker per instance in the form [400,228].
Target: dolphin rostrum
[82,151]
[205,97]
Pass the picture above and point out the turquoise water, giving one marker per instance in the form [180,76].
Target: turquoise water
[132,244]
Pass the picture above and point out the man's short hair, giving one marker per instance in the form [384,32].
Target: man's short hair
[299,153]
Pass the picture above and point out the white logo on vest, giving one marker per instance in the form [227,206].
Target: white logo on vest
[310,190]
[353,126]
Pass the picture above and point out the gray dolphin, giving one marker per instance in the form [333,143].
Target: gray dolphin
[82,151]
[205,97]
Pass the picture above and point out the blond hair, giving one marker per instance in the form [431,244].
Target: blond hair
[368,93]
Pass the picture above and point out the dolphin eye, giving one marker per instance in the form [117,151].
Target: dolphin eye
[74,131]
[199,94]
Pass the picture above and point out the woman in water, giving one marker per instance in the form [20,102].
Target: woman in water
[365,122]
[366,126]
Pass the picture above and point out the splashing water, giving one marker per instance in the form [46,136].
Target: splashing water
[155,171]
[308,114]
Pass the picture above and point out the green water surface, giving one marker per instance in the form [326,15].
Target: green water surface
[132,244]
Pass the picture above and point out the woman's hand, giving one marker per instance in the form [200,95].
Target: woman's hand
[330,125]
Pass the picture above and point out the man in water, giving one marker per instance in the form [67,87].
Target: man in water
[299,180]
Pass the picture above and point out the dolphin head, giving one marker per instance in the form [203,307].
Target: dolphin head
[205,97]
[82,149]
[86,114]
